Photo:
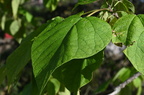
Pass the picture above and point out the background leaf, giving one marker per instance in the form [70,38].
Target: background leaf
[15,26]
[2,73]
[124,73]
[129,5]
[51,4]
[53,86]
[124,5]
[83,2]
[28,16]
[3,21]
[22,55]
[15,5]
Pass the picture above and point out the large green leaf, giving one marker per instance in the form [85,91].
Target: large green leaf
[77,73]
[135,53]
[74,38]
[22,55]
[130,31]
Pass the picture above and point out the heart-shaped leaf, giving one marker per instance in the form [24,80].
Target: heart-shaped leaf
[74,38]
[135,53]
[130,31]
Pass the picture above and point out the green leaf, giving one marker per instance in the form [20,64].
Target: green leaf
[15,5]
[127,30]
[3,21]
[130,31]
[124,5]
[135,53]
[51,4]
[120,6]
[129,5]
[137,82]
[2,73]
[53,86]
[103,87]
[124,74]
[28,16]
[74,38]
[77,73]
[27,89]
[19,58]
[22,55]
[15,26]
[83,2]
[139,92]
[126,91]
[31,88]
[64,92]
[122,13]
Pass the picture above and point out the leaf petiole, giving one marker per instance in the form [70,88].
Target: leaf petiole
[90,13]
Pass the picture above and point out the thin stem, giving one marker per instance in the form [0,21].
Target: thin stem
[122,85]
[95,11]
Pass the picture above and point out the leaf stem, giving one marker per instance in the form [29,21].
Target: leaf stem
[95,11]
[122,85]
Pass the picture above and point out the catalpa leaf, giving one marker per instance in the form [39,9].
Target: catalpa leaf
[78,72]
[22,55]
[135,53]
[73,38]
[130,31]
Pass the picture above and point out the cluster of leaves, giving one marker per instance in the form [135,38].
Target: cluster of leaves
[15,20]
[18,19]
[67,51]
